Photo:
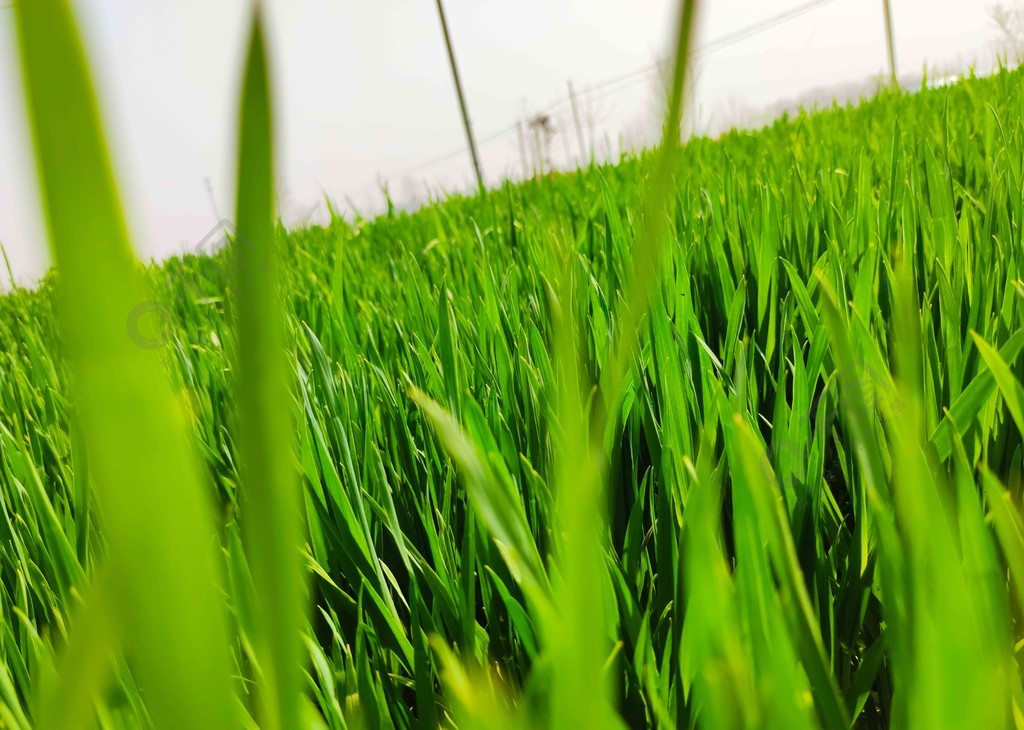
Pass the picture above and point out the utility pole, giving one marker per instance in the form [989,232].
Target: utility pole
[886,4]
[576,119]
[462,100]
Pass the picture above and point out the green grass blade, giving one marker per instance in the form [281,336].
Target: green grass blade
[973,398]
[1009,530]
[578,636]
[84,664]
[1009,387]
[498,507]
[755,488]
[582,691]
[948,603]
[658,202]
[272,500]
[165,574]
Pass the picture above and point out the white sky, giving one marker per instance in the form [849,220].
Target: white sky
[363,90]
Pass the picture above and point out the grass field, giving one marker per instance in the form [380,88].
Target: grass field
[726,436]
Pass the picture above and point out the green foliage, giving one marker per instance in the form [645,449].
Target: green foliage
[725,435]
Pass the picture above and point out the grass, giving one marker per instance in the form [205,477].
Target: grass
[728,434]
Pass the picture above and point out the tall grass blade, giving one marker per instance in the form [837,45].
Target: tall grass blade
[581,646]
[165,578]
[271,497]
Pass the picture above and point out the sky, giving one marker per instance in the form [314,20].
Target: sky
[364,94]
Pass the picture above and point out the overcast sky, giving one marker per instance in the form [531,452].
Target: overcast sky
[364,93]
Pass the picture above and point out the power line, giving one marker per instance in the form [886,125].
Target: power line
[439,159]
[622,81]
[719,44]
[769,23]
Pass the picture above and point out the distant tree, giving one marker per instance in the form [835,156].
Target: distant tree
[1010,19]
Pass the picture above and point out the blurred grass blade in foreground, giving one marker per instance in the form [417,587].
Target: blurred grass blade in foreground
[582,692]
[156,513]
[270,486]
